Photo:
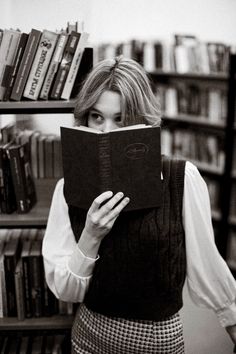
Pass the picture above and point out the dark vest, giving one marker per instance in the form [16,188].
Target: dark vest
[142,265]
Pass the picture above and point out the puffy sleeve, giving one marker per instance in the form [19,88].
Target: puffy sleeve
[209,279]
[68,271]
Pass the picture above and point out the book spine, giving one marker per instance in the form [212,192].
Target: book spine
[3,312]
[67,89]
[20,301]
[105,166]
[27,286]
[9,267]
[84,68]
[7,52]
[40,64]
[65,65]
[36,284]
[19,179]
[7,194]
[25,64]
[15,65]
[53,66]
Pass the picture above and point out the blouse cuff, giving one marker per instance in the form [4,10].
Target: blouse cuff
[227,316]
[81,265]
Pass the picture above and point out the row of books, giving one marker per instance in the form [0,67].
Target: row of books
[42,64]
[17,187]
[23,289]
[184,54]
[35,343]
[182,98]
[45,153]
[195,146]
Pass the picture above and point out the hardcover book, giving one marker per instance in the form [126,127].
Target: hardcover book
[22,176]
[13,69]
[53,66]
[126,159]
[25,64]
[65,65]
[40,64]
[7,194]
[69,83]
[8,49]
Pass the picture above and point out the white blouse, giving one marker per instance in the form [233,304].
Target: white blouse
[210,282]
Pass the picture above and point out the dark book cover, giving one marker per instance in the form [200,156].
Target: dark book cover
[126,160]
[23,182]
[65,65]
[36,277]
[11,256]
[7,194]
[25,65]
[26,246]
[84,68]
[15,66]
[19,286]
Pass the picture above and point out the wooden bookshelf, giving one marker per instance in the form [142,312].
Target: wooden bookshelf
[37,217]
[40,323]
[37,107]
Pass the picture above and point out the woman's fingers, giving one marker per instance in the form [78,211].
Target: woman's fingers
[116,211]
[99,200]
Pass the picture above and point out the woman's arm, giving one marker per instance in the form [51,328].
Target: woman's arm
[68,271]
[69,265]
[209,279]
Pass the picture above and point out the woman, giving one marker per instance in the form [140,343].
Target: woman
[128,268]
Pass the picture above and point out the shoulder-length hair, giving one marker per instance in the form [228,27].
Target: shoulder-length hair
[129,79]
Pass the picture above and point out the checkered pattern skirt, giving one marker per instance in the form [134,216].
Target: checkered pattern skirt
[93,333]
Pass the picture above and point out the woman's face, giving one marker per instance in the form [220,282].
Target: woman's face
[105,115]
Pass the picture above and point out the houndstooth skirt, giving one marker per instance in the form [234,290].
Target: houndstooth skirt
[93,333]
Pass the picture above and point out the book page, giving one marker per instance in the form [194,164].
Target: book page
[93,130]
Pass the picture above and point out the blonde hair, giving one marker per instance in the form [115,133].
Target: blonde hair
[129,79]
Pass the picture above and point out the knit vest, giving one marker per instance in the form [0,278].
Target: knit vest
[142,265]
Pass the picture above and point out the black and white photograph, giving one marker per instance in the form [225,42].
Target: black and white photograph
[117,177]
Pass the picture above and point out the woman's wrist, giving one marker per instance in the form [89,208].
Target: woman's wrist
[88,244]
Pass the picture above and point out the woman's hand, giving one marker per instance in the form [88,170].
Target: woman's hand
[99,221]
[232,333]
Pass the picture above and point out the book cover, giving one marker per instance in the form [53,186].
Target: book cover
[7,194]
[69,83]
[19,286]
[40,64]
[22,176]
[126,160]
[25,65]
[7,53]
[3,295]
[84,68]
[36,277]
[11,256]
[53,66]
[65,65]
[15,65]
[25,252]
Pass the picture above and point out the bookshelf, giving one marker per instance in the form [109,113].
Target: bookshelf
[224,175]
[36,218]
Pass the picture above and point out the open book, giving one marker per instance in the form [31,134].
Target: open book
[127,159]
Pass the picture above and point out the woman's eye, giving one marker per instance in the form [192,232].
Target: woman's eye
[96,117]
[118,119]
